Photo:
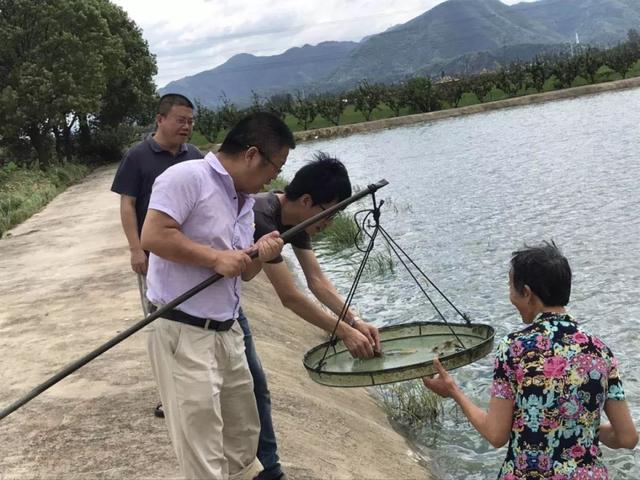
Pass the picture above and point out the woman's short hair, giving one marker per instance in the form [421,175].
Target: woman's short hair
[545,271]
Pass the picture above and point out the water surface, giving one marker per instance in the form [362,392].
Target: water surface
[464,193]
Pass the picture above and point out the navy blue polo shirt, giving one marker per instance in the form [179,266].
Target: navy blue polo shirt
[141,165]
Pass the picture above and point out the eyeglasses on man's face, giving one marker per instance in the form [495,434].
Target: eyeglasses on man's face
[182,121]
[330,217]
[277,167]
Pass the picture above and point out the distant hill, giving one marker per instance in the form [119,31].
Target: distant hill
[455,36]
[600,22]
[447,31]
[267,75]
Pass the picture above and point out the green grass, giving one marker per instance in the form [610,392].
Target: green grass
[410,403]
[24,192]
[198,139]
[380,263]
[277,183]
[340,234]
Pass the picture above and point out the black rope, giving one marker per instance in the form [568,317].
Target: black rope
[364,226]
[345,308]
[389,238]
[392,244]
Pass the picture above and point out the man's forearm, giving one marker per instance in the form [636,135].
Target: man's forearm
[326,293]
[129,222]
[305,308]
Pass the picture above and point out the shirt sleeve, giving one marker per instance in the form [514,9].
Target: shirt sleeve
[302,241]
[264,224]
[614,389]
[503,378]
[176,192]
[127,180]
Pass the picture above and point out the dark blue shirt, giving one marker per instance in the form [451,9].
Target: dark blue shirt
[141,165]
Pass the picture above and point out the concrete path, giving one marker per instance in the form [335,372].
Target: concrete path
[66,288]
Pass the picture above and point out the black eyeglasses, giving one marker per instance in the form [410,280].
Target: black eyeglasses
[268,159]
[330,217]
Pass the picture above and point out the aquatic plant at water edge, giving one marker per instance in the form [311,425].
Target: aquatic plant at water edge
[410,404]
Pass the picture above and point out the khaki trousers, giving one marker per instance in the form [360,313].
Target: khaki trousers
[207,395]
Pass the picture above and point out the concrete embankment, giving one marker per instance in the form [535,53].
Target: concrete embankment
[66,287]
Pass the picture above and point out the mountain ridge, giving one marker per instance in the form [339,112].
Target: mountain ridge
[442,38]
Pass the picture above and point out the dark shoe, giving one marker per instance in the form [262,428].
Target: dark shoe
[282,476]
[158,411]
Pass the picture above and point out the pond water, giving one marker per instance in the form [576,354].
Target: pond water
[463,194]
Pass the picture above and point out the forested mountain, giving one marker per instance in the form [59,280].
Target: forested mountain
[600,22]
[243,73]
[455,36]
[447,31]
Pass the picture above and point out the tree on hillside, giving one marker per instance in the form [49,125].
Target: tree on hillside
[304,110]
[591,60]
[452,91]
[228,113]
[633,41]
[565,68]
[392,97]
[511,79]
[419,95]
[257,105]
[69,65]
[621,58]
[366,97]
[330,107]
[207,122]
[481,85]
[279,104]
[538,72]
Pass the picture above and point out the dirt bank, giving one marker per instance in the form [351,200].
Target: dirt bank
[66,287]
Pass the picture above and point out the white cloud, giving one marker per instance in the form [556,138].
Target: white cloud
[189,36]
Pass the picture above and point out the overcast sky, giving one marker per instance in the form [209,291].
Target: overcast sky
[189,36]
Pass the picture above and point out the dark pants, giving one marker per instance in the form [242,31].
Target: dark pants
[267,446]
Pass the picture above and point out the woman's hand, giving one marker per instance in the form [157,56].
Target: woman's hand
[442,384]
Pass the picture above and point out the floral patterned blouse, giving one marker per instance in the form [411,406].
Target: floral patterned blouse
[559,378]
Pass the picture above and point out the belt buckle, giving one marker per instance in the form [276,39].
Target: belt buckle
[206,323]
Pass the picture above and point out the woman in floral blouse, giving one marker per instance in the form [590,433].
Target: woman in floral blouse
[551,382]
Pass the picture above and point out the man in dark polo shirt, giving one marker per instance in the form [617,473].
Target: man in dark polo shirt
[142,164]
[315,187]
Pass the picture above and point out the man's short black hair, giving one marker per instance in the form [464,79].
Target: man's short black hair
[324,178]
[263,130]
[545,271]
[170,99]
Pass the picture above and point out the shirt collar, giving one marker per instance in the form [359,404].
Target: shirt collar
[554,317]
[214,163]
[155,146]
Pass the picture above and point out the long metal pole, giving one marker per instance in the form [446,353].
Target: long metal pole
[72,367]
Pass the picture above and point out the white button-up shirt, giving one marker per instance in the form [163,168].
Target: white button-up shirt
[200,196]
